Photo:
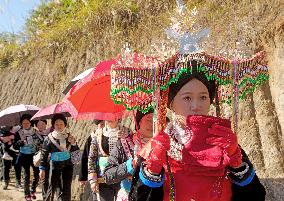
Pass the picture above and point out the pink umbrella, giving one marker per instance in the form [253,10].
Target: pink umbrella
[48,112]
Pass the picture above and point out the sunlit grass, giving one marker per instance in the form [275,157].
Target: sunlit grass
[106,24]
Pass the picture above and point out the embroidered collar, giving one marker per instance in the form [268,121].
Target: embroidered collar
[111,132]
[177,132]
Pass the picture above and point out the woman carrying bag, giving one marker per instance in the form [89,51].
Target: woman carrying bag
[59,145]
[103,143]
[28,142]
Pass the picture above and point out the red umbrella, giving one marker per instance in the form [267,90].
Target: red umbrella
[48,112]
[90,97]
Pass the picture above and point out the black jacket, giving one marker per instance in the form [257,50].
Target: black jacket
[116,171]
[47,148]
[83,174]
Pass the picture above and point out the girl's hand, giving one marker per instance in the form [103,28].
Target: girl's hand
[155,152]
[5,139]
[226,139]
[223,137]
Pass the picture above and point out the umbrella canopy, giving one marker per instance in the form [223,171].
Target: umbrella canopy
[50,111]
[76,79]
[11,115]
[90,97]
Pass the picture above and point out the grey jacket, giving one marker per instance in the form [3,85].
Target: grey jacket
[116,171]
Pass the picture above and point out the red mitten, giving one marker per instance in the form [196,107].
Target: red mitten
[155,151]
[227,140]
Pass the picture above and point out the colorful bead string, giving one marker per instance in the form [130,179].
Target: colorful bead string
[133,85]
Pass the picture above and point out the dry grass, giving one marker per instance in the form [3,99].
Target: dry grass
[53,28]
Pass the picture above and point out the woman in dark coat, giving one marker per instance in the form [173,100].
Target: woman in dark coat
[6,139]
[58,145]
[197,157]
[83,174]
[120,161]
[28,142]
[103,143]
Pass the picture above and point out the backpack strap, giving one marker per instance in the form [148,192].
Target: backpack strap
[39,136]
[54,142]
[21,134]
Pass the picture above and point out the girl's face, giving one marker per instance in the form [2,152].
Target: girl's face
[26,124]
[146,126]
[112,124]
[59,125]
[41,125]
[192,99]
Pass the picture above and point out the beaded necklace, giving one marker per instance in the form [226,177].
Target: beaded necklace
[178,138]
[113,134]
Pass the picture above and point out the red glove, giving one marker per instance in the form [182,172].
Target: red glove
[227,140]
[155,152]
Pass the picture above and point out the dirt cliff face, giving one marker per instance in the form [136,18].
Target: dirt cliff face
[41,79]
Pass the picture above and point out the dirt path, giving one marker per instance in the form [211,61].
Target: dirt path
[13,194]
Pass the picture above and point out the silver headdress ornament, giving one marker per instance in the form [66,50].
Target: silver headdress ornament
[189,42]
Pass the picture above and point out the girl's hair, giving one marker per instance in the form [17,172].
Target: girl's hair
[58,116]
[43,120]
[25,117]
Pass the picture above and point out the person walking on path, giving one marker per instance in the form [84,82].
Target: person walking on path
[28,142]
[7,138]
[59,145]
[119,168]
[83,174]
[197,157]
[43,132]
[103,143]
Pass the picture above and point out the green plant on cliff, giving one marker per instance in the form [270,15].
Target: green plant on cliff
[70,23]
[63,24]
[60,25]
[9,50]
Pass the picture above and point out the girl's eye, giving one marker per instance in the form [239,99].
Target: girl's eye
[203,97]
[187,98]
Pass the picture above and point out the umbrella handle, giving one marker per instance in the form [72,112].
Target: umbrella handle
[161,122]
